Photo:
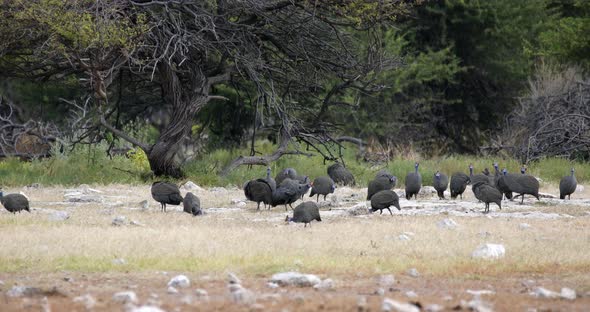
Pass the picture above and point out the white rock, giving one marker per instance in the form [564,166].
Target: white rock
[87,300]
[380,292]
[119,261]
[433,308]
[411,234]
[81,197]
[136,223]
[125,297]
[361,303]
[413,272]
[18,291]
[477,305]
[59,216]
[392,305]
[480,292]
[579,188]
[144,204]
[199,292]
[358,209]
[241,204]
[386,280]
[119,220]
[327,284]
[411,294]
[427,190]
[524,226]
[146,308]
[241,295]
[541,292]
[272,285]
[447,223]
[180,281]
[568,293]
[295,279]
[404,237]
[191,186]
[237,201]
[233,279]
[489,251]
[171,290]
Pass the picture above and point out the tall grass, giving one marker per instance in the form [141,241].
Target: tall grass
[91,165]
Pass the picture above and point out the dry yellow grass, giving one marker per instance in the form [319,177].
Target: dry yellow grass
[252,243]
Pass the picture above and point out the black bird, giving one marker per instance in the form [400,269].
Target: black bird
[477,177]
[380,183]
[383,200]
[441,181]
[166,193]
[192,204]
[502,184]
[385,173]
[305,213]
[567,186]
[303,180]
[287,173]
[14,202]
[522,184]
[258,191]
[287,193]
[487,194]
[459,183]
[413,183]
[322,186]
[271,182]
[340,175]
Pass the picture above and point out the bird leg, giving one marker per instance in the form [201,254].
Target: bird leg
[380,211]
[318,198]
[325,197]
[522,199]
[391,213]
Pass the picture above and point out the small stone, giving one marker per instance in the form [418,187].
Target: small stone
[528,284]
[87,300]
[568,294]
[413,272]
[433,308]
[241,204]
[144,204]
[579,188]
[59,216]
[411,294]
[119,220]
[119,261]
[146,308]
[358,209]
[69,279]
[136,223]
[233,279]
[404,237]
[386,280]
[237,201]
[392,305]
[447,223]
[295,279]
[20,291]
[480,292]
[125,297]
[180,281]
[327,284]
[361,303]
[241,295]
[524,226]
[272,285]
[541,292]
[191,186]
[201,293]
[171,290]
[477,305]
[380,292]
[489,251]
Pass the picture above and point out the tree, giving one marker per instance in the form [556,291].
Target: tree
[177,51]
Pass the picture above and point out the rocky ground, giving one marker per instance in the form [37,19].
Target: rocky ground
[33,286]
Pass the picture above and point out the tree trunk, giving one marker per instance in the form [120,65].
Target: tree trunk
[185,105]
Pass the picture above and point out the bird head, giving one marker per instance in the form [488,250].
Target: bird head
[496,166]
[523,169]
[333,187]
[392,179]
[437,174]
[471,169]
[571,171]
[504,171]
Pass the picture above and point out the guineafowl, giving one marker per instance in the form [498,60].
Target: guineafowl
[487,194]
[287,173]
[340,175]
[305,213]
[385,173]
[271,182]
[477,177]
[380,183]
[459,183]
[413,183]
[383,200]
[14,202]
[192,204]
[440,183]
[502,184]
[322,186]
[307,185]
[258,191]
[166,193]
[287,193]
[567,186]
[523,184]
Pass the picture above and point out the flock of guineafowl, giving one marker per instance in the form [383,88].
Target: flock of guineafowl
[287,187]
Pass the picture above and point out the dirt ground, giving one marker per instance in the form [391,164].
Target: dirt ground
[56,287]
